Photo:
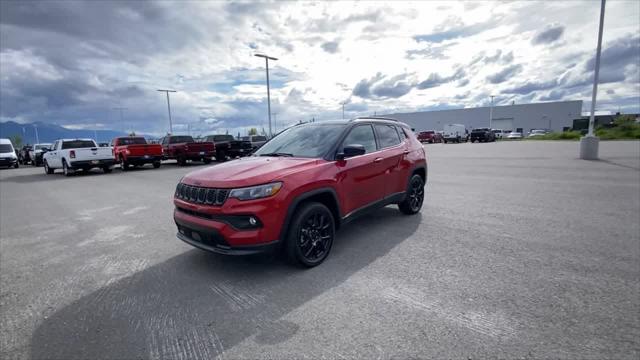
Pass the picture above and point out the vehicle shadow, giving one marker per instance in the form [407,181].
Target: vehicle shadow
[197,304]
[41,176]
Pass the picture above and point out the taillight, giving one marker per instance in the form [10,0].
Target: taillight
[72,154]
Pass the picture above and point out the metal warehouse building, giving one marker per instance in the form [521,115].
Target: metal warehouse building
[557,116]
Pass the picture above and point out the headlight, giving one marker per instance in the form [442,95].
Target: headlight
[256,192]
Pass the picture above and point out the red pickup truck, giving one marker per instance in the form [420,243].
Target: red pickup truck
[135,151]
[183,148]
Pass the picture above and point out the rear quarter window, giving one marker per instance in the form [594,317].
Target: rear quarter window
[387,135]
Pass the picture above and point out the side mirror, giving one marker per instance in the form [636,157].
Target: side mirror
[351,150]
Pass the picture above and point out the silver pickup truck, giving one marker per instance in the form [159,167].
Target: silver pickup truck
[71,155]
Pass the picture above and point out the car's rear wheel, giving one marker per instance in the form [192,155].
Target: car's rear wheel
[123,164]
[221,156]
[414,197]
[107,169]
[311,235]
[207,160]
[156,164]
[65,168]
[182,161]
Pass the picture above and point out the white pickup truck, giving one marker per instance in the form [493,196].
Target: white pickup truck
[77,154]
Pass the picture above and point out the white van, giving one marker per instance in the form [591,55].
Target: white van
[455,133]
[8,156]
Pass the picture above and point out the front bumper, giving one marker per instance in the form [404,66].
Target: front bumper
[209,239]
[8,161]
[91,163]
[230,224]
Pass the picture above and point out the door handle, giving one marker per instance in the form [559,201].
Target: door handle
[377,160]
[406,152]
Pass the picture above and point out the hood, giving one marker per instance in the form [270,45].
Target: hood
[8,154]
[248,171]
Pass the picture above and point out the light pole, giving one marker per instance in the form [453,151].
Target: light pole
[589,143]
[35,127]
[266,59]
[121,116]
[491,111]
[168,107]
[274,121]
[342,110]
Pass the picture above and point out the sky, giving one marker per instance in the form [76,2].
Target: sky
[72,63]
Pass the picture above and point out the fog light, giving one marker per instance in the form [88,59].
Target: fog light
[252,221]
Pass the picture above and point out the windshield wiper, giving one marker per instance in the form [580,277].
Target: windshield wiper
[277,154]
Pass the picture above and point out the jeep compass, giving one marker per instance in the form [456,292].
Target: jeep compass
[300,187]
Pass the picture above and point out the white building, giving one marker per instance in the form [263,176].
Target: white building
[556,116]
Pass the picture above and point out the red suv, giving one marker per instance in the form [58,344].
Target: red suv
[300,187]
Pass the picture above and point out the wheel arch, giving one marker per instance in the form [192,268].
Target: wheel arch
[326,196]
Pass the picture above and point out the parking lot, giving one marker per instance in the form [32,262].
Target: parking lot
[521,251]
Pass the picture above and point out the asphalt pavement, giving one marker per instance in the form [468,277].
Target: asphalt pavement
[521,251]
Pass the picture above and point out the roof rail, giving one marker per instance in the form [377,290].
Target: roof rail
[378,118]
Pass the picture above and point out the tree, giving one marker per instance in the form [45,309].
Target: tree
[16,140]
[253,131]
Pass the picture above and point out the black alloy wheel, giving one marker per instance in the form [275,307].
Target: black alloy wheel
[311,236]
[414,198]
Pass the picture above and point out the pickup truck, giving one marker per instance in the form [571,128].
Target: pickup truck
[256,140]
[482,135]
[183,148]
[36,153]
[226,145]
[135,151]
[71,155]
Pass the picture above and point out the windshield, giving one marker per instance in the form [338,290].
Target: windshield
[42,146]
[5,148]
[132,141]
[311,141]
[78,144]
[180,139]
[259,138]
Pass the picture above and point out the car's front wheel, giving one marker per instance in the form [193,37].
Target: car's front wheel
[414,197]
[311,235]
[47,169]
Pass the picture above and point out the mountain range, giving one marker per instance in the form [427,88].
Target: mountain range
[50,132]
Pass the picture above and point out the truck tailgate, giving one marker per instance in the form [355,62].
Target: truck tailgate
[144,149]
[98,153]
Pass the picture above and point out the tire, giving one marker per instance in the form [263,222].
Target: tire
[182,161]
[221,156]
[107,169]
[206,160]
[310,235]
[47,169]
[445,141]
[156,164]
[65,168]
[123,164]
[16,166]
[414,197]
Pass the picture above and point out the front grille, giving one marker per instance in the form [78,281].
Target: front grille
[201,195]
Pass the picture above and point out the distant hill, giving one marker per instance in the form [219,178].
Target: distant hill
[51,132]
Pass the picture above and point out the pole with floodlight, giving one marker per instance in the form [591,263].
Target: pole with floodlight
[266,59]
[168,107]
[589,143]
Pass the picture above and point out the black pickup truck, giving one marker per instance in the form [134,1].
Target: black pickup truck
[482,135]
[227,146]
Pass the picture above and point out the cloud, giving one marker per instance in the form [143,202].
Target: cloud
[553,95]
[435,79]
[453,28]
[618,54]
[504,74]
[330,46]
[382,86]
[550,34]
[531,86]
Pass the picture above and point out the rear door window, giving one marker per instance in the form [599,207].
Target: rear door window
[387,135]
[78,144]
[361,135]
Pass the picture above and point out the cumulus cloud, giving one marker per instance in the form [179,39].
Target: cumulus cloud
[381,86]
[550,34]
[504,74]
[331,47]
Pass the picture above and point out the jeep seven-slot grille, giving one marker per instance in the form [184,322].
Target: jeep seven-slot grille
[201,195]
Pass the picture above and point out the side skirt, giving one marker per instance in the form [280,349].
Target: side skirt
[391,199]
